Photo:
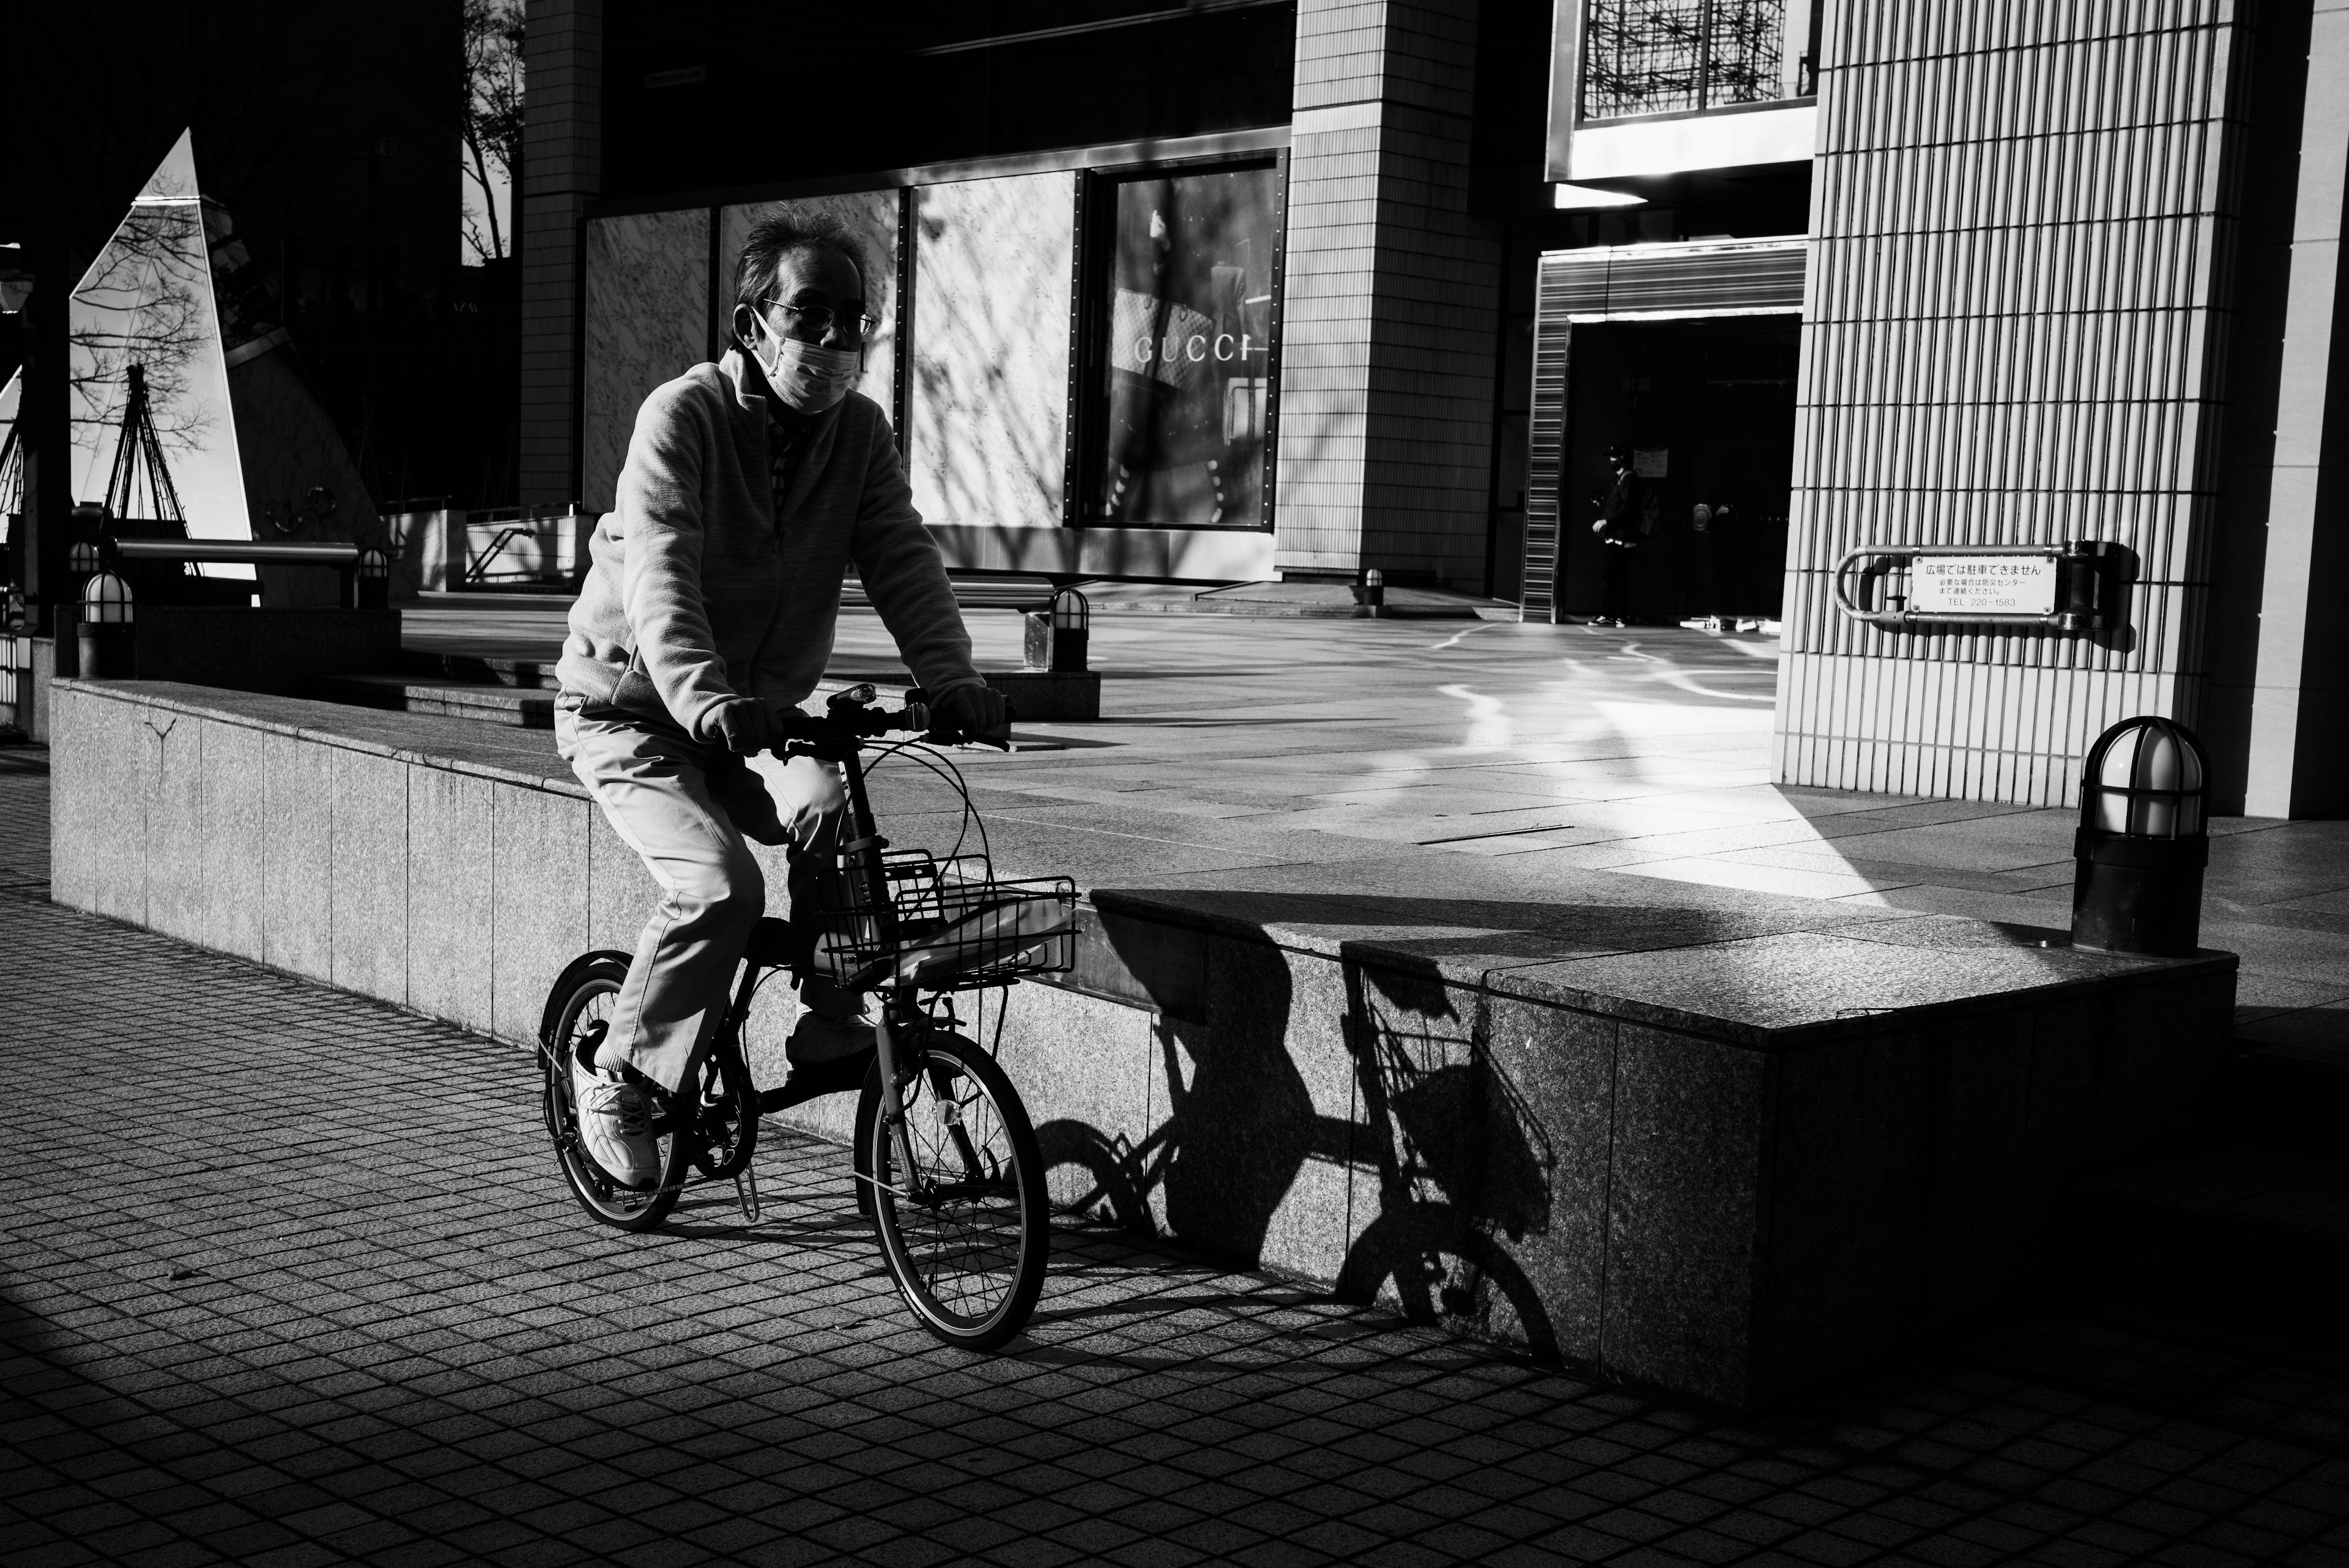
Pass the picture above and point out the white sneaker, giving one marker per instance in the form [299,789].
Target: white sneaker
[615,1125]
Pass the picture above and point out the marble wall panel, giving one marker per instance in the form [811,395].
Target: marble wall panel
[370,875]
[620,892]
[1090,1107]
[1415,1145]
[175,826]
[1846,1171]
[539,882]
[648,321]
[452,936]
[871,216]
[1683,1212]
[298,861]
[236,764]
[1550,1080]
[98,804]
[991,393]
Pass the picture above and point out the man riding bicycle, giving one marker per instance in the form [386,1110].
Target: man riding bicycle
[749,487]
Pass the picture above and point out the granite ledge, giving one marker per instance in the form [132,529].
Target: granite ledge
[1781,992]
[421,740]
[1462,939]
[1800,984]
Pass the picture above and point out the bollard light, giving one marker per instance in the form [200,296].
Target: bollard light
[374,579]
[1073,621]
[108,640]
[106,601]
[2143,841]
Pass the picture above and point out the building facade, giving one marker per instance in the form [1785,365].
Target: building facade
[1987,350]
[1240,319]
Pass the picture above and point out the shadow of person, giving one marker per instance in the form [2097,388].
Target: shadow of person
[1242,1120]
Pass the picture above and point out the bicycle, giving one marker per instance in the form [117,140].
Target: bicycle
[944,1157]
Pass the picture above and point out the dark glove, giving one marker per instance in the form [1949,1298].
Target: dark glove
[972,710]
[743,726]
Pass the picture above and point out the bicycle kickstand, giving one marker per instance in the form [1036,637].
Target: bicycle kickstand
[746,1193]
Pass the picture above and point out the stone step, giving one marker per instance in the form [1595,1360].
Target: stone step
[526,698]
[528,707]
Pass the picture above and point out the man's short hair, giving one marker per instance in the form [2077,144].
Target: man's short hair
[773,239]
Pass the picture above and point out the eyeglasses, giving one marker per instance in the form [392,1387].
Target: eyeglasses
[818,319]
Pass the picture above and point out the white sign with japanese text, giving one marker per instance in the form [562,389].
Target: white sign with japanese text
[1983,584]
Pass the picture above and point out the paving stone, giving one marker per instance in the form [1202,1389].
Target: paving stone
[398,1314]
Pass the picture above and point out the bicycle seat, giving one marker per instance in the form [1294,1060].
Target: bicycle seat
[774,945]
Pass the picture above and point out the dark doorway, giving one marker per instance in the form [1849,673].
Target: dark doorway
[1708,409]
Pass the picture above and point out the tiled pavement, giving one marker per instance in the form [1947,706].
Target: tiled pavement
[24,817]
[289,1279]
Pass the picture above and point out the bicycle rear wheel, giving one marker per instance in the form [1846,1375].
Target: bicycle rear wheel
[965,1232]
[584,997]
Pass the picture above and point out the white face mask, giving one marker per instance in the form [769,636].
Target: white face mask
[805,377]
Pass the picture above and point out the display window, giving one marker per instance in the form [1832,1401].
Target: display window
[1182,296]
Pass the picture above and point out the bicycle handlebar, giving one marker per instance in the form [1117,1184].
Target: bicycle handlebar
[849,720]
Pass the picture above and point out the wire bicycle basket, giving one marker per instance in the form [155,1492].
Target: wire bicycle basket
[952,925]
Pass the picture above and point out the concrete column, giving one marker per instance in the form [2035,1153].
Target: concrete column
[2299,755]
[563,162]
[1393,297]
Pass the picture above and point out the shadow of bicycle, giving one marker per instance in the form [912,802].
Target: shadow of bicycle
[1443,1165]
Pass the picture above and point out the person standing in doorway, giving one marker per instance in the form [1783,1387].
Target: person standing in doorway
[1623,521]
[1704,595]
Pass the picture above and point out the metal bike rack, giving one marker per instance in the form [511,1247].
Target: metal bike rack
[1874,585]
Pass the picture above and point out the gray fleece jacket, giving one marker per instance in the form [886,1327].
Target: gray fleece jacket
[698,592]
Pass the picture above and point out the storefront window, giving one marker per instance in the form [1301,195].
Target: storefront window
[1184,376]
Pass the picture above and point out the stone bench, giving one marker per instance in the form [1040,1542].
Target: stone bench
[1722,1146]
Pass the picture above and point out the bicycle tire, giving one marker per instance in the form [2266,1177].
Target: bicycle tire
[970,1257]
[583,995]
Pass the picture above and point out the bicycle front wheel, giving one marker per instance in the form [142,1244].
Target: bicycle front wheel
[581,998]
[965,1232]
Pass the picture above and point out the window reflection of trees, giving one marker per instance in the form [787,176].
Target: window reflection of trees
[145,303]
[1189,352]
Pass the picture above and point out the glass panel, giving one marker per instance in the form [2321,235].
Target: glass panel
[1661,56]
[989,439]
[12,459]
[871,216]
[1187,377]
[1642,57]
[648,321]
[1741,64]
[148,301]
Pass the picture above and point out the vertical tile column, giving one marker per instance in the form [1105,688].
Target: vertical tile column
[1392,308]
[2023,217]
[2298,761]
[563,159]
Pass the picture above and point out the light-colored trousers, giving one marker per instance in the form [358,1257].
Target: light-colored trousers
[685,807]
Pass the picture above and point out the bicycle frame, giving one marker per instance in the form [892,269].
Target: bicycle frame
[866,845]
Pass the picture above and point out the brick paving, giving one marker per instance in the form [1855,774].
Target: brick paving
[24,817]
[290,1279]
